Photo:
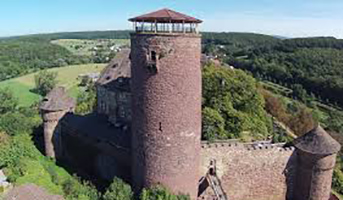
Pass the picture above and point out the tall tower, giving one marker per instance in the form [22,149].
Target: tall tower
[166,91]
[53,107]
[316,155]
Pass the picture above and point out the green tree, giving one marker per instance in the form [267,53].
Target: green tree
[213,124]
[74,189]
[85,81]
[232,106]
[16,123]
[160,193]
[86,100]
[8,101]
[118,190]
[300,92]
[45,81]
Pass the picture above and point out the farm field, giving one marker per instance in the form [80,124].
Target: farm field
[67,77]
[87,47]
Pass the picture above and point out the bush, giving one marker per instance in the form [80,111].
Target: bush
[34,172]
[86,101]
[19,148]
[74,188]
[45,81]
[118,190]
[16,123]
[8,101]
[160,193]
[337,181]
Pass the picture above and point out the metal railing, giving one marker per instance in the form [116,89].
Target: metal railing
[165,28]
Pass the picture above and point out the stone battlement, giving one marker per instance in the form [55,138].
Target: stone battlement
[256,146]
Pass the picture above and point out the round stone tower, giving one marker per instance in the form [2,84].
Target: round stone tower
[316,156]
[53,107]
[166,90]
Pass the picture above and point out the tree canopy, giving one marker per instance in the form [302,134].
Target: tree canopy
[232,106]
[45,81]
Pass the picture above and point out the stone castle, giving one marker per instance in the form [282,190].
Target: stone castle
[147,128]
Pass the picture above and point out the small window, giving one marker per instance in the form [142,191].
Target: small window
[153,56]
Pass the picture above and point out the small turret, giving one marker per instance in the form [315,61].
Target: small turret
[316,157]
[53,107]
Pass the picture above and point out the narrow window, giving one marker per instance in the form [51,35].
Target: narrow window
[153,56]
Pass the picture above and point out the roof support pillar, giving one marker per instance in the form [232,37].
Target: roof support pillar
[156,26]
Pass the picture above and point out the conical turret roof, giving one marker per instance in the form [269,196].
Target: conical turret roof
[317,142]
[57,100]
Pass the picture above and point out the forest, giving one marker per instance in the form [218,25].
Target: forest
[25,55]
[315,64]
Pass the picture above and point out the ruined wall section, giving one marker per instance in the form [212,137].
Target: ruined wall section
[52,140]
[115,104]
[105,100]
[258,172]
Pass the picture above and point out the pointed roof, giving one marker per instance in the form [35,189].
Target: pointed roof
[119,67]
[57,100]
[165,16]
[317,142]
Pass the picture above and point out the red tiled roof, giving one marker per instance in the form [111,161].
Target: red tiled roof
[165,15]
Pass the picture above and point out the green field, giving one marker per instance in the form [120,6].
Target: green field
[87,47]
[67,77]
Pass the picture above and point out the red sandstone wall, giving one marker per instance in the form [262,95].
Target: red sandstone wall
[314,176]
[51,137]
[251,174]
[166,112]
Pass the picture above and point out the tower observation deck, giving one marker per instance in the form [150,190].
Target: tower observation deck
[165,21]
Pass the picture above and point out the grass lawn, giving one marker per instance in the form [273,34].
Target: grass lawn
[67,77]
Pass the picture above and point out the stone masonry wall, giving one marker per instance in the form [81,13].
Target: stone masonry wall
[166,95]
[314,176]
[249,172]
[116,105]
[51,132]
[93,157]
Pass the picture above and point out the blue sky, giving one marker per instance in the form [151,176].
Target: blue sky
[291,18]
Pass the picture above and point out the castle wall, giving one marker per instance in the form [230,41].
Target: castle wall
[106,103]
[95,158]
[247,172]
[166,89]
[114,104]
